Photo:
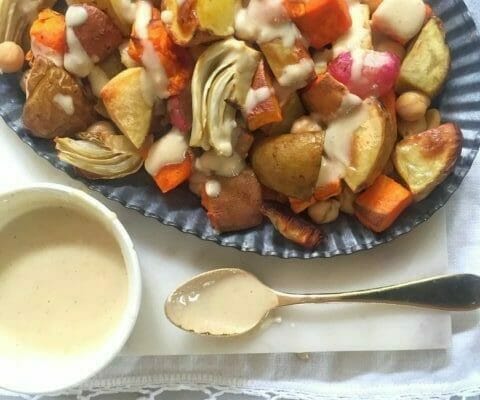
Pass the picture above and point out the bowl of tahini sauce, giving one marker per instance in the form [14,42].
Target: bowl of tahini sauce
[70,288]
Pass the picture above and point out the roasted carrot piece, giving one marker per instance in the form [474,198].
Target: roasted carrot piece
[292,227]
[324,96]
[328,190]
[171,176]
[49,30]
[380,205]
[320,21]
[298,205]
[175,59]
[267,111]
[321,193]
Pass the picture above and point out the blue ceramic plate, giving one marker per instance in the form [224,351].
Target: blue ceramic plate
[459,102]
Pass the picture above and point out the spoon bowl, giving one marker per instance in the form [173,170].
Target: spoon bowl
[232,302]
[222,302]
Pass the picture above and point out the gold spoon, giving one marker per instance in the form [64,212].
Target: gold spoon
[231,301]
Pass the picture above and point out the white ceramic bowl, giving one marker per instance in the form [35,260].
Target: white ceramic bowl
[50,374]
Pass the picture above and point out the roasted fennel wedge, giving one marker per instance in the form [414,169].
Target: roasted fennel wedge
[100,153]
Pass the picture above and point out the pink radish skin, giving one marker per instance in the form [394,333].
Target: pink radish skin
[179,110]
[366,72]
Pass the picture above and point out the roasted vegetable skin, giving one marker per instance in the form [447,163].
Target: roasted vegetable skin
[426,65]
[425,159]
[292,227]
[289,163]
[43,114]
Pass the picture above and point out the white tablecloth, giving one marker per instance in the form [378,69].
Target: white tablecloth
[365,375]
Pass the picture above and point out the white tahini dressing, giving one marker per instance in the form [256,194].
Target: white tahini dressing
[265,20]
[212,163]
[213,188]
[330,171]
[166,16]
[349,101]
[256,97]
[339,135]
[65,103]
[296,75]
[359,36]
[63,284]
[150,59]
[76,59]
[170,149]
[232,304]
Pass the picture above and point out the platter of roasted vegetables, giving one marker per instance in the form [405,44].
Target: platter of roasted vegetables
[296,128]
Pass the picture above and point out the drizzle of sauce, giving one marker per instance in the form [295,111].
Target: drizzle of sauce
[231,304]
[63,283]
[256,97]
[265,20]
[359,33]
[166,16]
[170,149]
[212,163]
[150,60]
[213,188]
[76,59]
[339,135]
[295,75]
[65,102]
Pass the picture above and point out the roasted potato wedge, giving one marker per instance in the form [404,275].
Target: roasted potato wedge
[216,16]
[426,65]
[425,159]
[371,148]
[183,22]
[128,105]
[289,163]
[56,104]
[281,58]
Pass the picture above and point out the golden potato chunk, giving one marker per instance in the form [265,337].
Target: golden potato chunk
[128,105]
[426,65]
[372,146]
[289,163]
[425,159]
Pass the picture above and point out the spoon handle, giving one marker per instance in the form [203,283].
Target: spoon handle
[450,292]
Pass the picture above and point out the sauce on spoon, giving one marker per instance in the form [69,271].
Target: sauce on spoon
[230,302]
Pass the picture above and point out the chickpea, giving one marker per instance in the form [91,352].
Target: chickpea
[347,200]
[411,106]
[434,119]
[407,128]
[12,57]
[324,212]
[305,124]
[392,47]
